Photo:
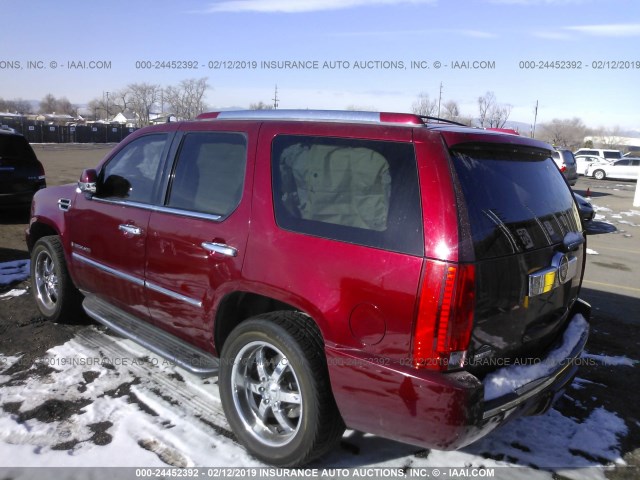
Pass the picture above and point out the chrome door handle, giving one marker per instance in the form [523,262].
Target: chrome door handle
[130,229]
[220,248]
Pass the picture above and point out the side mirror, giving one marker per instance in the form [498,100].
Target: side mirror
[87,182]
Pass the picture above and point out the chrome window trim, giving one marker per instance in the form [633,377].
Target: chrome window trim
[137,281]
[161,209]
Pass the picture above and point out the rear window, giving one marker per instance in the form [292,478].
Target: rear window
[568,157]
[516,201]
[356,191]
[15,146]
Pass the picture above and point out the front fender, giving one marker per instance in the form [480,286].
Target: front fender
[48,211]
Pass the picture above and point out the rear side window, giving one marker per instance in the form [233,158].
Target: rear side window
[515,201]
[568,157]
[357,191]
[209,174]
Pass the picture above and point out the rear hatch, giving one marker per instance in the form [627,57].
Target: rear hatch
[20,170]
[520,228]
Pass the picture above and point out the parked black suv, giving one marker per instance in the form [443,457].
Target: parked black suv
[21,174]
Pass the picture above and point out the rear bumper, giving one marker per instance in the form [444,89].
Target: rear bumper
[448,410]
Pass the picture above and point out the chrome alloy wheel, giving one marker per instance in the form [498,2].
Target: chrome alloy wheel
[266,394]
[46,280]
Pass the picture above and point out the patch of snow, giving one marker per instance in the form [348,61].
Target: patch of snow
[596,435]
[16,292]
[15,271]
[508,379]
[592,252]
[612,361]
[600,209]
[155,414]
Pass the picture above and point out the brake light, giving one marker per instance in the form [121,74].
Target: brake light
[445,316]
[563,168]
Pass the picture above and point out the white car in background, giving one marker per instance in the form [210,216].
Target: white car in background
[625,169]
[583,162]
[609,155]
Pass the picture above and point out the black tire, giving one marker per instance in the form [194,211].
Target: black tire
[56,296]
[599,174]
[296,393]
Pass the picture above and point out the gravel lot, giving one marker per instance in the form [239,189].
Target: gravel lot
[611,285]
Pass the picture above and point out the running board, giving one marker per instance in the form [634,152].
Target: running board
[152,338]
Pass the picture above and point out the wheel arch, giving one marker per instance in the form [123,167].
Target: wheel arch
[39,229]
[236,307]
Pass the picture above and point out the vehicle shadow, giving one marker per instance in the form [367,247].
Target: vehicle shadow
[595,227]
[14,216]
[11,254]
[591,194]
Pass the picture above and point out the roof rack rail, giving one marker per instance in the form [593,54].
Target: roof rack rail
[315,115]
[442,120]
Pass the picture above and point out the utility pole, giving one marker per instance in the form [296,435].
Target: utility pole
[275,99]
[535,120]
[439,99]
[106,130]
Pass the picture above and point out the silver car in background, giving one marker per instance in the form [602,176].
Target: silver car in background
[566,162]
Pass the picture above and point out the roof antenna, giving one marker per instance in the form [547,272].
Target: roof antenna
[275,99]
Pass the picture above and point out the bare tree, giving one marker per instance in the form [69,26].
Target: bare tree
[48,104]
[143,97]
[260,106]
[498,115]
[64,106]
[563,132]
[187,98]
[425,106]
[485,105]
[450,110]
[17,105]
[610,137]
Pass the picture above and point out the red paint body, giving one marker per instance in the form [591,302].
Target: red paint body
[376,388]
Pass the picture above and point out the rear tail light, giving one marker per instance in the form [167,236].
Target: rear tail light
[445,316]
[563,168]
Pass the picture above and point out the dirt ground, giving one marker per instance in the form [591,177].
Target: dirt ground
[611,387]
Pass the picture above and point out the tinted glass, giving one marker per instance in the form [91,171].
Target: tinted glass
[622,163]
[357,191]
[133,172]
[209,173]
[14,147]
[612,154]
[516,201]
[568,157]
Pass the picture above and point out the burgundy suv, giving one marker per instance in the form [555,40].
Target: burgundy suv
[414,280]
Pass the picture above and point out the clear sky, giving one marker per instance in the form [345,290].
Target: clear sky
[359,33]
